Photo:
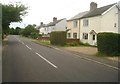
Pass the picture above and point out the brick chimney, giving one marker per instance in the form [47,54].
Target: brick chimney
[41,23]
[54,19]
[93,6]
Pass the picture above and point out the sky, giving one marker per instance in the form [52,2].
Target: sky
[45,10]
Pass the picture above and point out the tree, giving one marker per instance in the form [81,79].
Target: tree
[12,13]
[15,31]
[30,31]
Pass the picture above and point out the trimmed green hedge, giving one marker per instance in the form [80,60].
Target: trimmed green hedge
[108,43]
[58,38]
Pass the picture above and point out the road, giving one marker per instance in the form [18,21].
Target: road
[25,61]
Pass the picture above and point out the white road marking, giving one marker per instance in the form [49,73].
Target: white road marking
[28,47]
[22,43]
[46,60]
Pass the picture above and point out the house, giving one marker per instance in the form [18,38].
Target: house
[42,28]
[55,25]
[73,26]
[103,19]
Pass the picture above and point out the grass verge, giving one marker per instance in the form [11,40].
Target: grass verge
[45,42]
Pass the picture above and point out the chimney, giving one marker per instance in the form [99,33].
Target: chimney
[93,6]
[41,23]
[54,19]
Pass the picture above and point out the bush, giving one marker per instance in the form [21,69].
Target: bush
[58,38]
[108,43]
[73,44]
[34,35]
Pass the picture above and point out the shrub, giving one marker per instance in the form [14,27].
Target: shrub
[34,35]
[108,43]
[58,38]
[73,44]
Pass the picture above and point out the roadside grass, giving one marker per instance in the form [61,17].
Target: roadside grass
[70,44]
[45,42]
[76,44]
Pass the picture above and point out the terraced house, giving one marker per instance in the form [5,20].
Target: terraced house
[87,25]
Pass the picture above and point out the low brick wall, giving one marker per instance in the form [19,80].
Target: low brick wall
[68,40]
[43,38]
[73,40]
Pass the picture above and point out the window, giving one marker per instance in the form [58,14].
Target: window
[75,35]
[69,35]
[93,37]
[75,24]
[85,35]
[85,22]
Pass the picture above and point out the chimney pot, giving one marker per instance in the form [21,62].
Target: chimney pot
[41,23]
[54,19]
[93,6]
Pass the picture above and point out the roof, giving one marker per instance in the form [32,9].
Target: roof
[97,11]
[41,26]
[80,15]
[50,24]
[53,23]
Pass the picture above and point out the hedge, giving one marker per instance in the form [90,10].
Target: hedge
[58,38]
[108,43]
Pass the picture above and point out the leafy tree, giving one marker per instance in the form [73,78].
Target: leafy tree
[30,31]
[11,31]
[16,31]
[12,13]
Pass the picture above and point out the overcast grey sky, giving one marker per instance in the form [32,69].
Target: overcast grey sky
[45,10]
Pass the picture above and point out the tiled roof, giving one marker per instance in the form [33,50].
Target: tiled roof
[97,11]
[80,15]
[41,26]
[53,23]
[49,24]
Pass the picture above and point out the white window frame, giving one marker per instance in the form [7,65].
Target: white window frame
[85,22]
[85,36]
[75,24]
[75,37]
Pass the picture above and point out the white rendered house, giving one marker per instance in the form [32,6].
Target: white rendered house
[103,19]
[56,25]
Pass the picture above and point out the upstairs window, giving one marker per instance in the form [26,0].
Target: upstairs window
[75,24]
[85,22]
[85,35]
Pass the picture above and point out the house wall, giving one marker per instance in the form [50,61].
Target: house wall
[50,29]
[42,30]
[103,23]
[94,24]
[109,19]
[61,26]
[72,29]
